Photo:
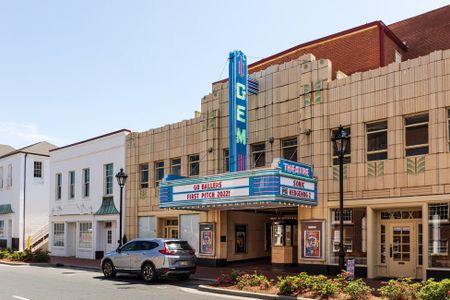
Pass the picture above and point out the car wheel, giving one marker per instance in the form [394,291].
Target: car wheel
[148,272]
[108,269]
[183,277]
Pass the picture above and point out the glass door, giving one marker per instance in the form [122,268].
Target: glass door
[402,259]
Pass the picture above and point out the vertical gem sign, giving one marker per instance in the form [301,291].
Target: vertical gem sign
[238,118]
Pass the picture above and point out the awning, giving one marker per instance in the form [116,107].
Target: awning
[5,209]
[286,183]
[108,207]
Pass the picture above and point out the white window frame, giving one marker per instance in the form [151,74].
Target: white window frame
[85,228]
[259,153]
[284,147]
[368,133]
[38,169]
[2,228]
[175,162]
[159,165]
[346,155]
[108,179]
[417,125]
[58,186]
[9,178]
[1,178]
[86,173]
[143,168]
[192,162]
[71,191]
[335,212]
[58,234]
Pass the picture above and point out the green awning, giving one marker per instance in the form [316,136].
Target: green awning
[108,207]
[5,209]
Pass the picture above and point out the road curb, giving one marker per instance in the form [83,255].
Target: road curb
[223,291]
[61,265]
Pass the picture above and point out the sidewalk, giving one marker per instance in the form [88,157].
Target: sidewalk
[205,273]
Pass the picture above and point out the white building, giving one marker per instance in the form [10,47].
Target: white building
[24,194]
[85,196]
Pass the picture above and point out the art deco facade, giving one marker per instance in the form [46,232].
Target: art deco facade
[397,186]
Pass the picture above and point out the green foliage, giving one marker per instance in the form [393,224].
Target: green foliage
[400,289]
[25,256]
[357,290]
[294,285]
[320,285]
[432,290]
[253,280]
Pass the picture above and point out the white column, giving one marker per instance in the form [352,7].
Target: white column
[425,239]
[371,243]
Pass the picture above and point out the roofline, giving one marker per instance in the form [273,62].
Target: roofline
[380,24]
[92,139]
[23,152]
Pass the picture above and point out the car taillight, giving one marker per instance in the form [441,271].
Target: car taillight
[166,251]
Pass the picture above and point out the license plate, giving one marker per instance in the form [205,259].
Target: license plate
[184,263]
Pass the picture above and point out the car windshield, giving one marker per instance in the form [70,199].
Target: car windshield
[178,246]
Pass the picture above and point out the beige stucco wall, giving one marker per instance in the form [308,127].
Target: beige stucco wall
[299,99]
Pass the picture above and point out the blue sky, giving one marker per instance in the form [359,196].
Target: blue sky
[71,70]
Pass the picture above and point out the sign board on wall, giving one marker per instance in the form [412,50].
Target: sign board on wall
[254,186]
[207,239]
[238,118]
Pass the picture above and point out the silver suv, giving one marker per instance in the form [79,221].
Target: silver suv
[151,258]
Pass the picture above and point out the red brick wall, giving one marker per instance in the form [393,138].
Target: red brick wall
[389,50]
[354,52]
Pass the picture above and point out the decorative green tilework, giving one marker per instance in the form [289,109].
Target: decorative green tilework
[306,94]
[420,163]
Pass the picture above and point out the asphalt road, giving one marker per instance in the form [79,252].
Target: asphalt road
[48,283]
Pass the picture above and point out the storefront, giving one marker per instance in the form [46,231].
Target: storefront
[249,214]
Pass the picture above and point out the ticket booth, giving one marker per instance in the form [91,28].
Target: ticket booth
[284,241]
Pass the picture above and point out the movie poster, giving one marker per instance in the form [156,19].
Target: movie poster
[207,238]
[240,238]
[312,239]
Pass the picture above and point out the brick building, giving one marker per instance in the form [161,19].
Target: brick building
[396,183]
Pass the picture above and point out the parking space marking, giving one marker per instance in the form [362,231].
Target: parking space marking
[20,298]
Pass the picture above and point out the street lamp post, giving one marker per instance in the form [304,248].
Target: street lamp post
[121,179]
[340,142]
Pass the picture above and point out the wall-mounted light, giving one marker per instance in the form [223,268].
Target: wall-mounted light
[307,131]
[271,140]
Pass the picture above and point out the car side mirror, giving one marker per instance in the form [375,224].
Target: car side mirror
[119,250]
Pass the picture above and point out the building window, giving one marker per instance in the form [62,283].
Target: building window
[159,172]
[383,244]
[377,139]
[58,185]
[348,216]
[347,157]
[143,169]
[1,178]
[258,155]
[355,235]
[226,160]
[2,228]
[109,179]
[9,179]
[109,237]
[71,184]
[37,169]
[439,235]
[416,135]
[176,166]
[86,182]
[194,165]
[85,235]
[58,235]
[289,149]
